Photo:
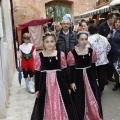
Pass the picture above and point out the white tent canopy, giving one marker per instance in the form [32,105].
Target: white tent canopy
[93,12]
[114,2]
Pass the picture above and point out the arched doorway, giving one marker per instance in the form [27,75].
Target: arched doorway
[65,3]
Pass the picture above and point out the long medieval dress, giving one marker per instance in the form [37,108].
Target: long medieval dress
[51,80]
[86,97]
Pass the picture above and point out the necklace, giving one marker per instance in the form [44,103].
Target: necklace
[83,52]
[50,59]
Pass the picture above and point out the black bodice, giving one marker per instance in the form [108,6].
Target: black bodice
[82,61]
[50,63]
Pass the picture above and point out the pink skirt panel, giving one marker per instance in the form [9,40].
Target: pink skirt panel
[91,108]
[54,107]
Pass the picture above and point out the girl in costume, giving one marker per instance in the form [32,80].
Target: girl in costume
[27,54]
[52,86]
[83,82]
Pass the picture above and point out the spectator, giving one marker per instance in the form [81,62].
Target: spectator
[50,26]
[104,29]
[114,55]
[91,22]
[57,27]
[101,45]
[66,37]
[80,28]
[85,25]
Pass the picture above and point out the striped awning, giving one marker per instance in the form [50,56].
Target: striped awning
[114,2]
[93,12]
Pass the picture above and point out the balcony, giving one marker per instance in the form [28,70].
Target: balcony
[101,3]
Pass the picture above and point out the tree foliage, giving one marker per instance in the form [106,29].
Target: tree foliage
[57,12]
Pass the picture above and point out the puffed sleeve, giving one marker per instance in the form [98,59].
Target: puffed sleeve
[37,64]
[64,69]
[94,56]
[70,59]
[63,60]
[71,64]
[34,53]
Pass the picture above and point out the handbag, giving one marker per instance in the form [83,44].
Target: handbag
[117,66]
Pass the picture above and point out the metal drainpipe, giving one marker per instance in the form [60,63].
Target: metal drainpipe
[13,31]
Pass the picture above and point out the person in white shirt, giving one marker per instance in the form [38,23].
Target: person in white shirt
[101,45]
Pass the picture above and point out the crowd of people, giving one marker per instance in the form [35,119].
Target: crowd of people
[71,71]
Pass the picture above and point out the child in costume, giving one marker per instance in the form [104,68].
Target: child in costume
[27,53]
[52,86]
[83,82]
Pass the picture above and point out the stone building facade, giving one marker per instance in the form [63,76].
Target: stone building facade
[7,64]
[34,9]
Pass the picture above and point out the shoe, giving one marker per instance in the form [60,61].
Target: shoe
[112,80]
[115,88]
[27,83]
[119,85]
[31,87]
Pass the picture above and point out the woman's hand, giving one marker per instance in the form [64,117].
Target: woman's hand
[109,36]
[37,94]
[73,86]
[97,82]
[69,91]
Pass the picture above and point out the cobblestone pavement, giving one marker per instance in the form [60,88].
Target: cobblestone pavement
[21,102]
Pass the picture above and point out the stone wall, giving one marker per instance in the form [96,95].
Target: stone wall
[34,9]
[7,62]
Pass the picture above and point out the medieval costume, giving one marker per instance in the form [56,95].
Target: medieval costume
[86,96]
[27,53]
[52,82]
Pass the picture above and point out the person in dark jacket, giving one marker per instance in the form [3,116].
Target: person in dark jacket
[66,38]
[104,29]
[114,55]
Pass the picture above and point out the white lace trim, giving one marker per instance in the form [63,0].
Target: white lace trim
[50,70]
[61,98]
[45,100]
[83,68]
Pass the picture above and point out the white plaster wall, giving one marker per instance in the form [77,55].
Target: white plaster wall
[7,62]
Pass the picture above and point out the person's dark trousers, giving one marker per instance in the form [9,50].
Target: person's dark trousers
[110,70]
[101,73]
[116,75]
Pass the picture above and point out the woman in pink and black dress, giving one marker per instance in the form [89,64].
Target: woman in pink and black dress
[52,86]
[86,95]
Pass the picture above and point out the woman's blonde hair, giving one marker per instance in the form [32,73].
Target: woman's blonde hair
[57,24]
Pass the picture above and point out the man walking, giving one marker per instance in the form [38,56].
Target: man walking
[66,37]
[104,29]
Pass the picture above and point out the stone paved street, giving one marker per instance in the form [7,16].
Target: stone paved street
[21,102]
